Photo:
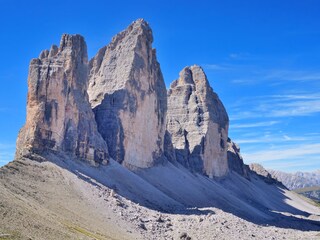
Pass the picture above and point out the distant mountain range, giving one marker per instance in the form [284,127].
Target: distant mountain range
[310,192]
[297,180]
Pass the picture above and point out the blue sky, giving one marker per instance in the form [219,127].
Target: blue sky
[261,57]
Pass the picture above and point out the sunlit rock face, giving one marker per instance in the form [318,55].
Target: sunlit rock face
[128,95]
[59,115]
[198,123]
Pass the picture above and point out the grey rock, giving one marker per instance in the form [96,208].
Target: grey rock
[128,95]
[198,123]
[235,160]
[59,116]
[262,173]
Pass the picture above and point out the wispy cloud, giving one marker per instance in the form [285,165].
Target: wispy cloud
[295,165]
[275,106]
[293,75]
[276,76]
[285,153]
[245,81]
[281,139]
[274,138]
[296,108]
[240,56]
[254,125]
[217,67]
[6,153]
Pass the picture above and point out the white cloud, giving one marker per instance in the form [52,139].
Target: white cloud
[273,139]
[240,56]
[6,153]
[253,125]
[7,146]
[292,164]
[285,153]
[275,106]
[216,67]
[245,81]
[292,75]
[274,77]
[295,108]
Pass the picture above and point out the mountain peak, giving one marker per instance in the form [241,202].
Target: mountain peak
[198,123]
[59,116]
[128,95]
[72,41]
[193,75]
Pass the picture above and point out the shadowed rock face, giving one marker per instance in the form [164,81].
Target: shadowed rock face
[198,123]
[59,116]
[128,95]
[235,160]
[263,173]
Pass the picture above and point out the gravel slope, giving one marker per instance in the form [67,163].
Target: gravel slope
[46,200]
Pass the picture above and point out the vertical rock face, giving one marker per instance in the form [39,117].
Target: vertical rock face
[235,160]
[198,123]
[128,95]
[59,116]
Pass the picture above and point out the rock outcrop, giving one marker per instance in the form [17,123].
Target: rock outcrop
[235,160]
[198,123]
[59,116]
[263,173]
[128,95]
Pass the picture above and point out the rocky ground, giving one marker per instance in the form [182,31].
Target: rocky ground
[41,200]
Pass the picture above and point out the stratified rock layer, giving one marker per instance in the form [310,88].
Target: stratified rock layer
[198,123]
[128,95]
[59,116]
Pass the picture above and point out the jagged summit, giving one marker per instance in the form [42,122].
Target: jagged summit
[191,75]
[72,41]
[138,27]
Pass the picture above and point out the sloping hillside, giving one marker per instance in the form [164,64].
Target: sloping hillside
[69,200]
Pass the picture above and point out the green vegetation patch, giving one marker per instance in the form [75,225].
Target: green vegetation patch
[9,235]
[307,189]
[85,232]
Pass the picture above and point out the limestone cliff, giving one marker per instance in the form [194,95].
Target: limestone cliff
[198,123]
[128,95]
[59,116]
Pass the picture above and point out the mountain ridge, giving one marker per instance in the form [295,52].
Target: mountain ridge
[298,179]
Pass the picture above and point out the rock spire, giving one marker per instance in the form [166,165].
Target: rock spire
[198,123]
[59,116]
[128,95]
